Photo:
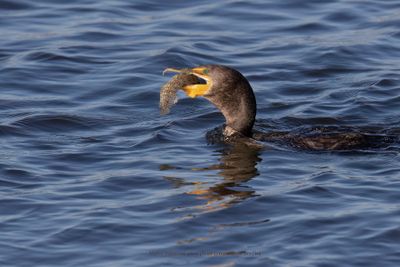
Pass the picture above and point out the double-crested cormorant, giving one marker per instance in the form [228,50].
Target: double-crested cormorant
[232,94]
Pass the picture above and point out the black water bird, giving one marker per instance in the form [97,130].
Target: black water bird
[233,95]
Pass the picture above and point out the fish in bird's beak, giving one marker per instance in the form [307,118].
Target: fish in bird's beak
[194,90]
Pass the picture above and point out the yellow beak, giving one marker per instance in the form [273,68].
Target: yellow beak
[194,90]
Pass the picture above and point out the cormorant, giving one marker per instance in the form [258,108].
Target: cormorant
[232,94]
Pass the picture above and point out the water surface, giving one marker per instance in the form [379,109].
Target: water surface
[92,175]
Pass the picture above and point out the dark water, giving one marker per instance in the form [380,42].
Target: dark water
[92,175]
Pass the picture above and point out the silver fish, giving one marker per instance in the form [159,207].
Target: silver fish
[168,91]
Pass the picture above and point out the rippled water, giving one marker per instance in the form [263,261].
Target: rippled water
[92,175]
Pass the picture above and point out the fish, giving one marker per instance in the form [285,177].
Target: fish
[169,90]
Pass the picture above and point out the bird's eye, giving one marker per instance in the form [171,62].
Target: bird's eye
[205,71]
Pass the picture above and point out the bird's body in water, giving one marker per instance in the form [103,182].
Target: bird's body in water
[232,94]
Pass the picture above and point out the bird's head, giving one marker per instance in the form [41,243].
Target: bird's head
[228,90]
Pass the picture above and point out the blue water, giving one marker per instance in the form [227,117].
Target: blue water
[92,175]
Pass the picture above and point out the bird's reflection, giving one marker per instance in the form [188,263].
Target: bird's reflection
[237,165]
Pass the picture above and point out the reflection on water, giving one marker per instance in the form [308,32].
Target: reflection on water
[237,165]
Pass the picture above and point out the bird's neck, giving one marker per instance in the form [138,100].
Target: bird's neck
[241,113]
[240,120]
[237,103]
